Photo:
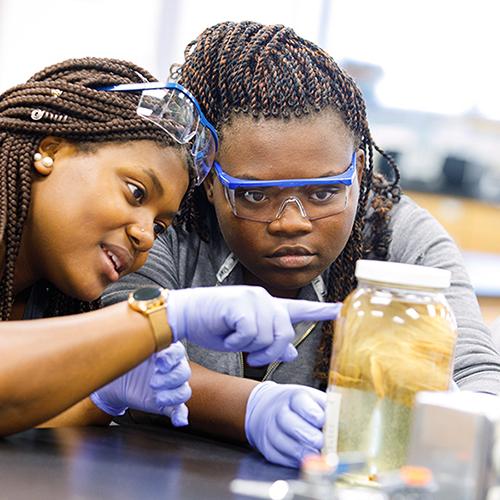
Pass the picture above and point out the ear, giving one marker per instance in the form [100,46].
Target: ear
[208,185]
[360,164]
[47,150]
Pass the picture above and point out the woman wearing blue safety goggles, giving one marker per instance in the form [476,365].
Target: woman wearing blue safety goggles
[88,179]
[292,203]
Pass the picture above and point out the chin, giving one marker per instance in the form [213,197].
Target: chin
[92,293]
[84,292]
[290,279]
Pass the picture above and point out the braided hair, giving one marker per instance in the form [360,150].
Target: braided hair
[61,100]
[270,72]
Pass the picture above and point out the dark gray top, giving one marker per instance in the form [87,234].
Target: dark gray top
[180,260]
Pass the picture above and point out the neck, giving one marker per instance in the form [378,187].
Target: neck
[25,274]
[251,279]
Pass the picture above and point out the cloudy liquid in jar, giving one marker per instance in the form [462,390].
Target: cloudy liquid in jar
[388,345]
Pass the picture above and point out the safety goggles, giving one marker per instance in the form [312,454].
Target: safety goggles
[266,201]
[176,111]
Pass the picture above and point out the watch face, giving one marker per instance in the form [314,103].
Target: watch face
[147,293]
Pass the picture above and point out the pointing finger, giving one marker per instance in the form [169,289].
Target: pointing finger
[306,310]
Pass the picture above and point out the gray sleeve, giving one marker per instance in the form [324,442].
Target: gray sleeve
[161,269]
[419,239]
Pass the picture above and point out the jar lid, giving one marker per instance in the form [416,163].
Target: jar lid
[405,275]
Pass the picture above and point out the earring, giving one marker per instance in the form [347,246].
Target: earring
[46,161]
[142,230]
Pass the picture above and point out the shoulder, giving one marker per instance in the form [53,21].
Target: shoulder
[414,232]
[196,260]
[407,216]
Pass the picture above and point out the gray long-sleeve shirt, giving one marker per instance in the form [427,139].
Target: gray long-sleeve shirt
[181,260]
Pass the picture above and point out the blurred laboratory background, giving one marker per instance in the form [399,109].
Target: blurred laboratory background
[429,71]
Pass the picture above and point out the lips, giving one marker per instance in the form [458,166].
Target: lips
[119,260]
[292,257]
[291,250]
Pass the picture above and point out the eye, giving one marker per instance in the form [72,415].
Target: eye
[255,197]
[138,192]
[324,194]
[159,227]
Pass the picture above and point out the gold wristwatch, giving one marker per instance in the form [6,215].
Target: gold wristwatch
[152,302]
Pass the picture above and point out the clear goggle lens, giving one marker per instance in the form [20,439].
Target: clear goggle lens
[175,113]
[268,204]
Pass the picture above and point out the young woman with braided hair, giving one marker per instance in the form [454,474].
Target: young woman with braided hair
[289,117]
[86,184]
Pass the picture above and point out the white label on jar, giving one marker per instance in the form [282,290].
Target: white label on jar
[331,428]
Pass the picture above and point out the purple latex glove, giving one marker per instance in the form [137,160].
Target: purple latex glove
[285,421]
[158,385]
[242,318]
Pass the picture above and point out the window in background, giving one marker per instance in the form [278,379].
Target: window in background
[37,33]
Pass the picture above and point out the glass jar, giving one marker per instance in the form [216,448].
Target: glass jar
[395,336]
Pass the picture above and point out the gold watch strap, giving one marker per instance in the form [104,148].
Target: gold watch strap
[156,311]
[161,328]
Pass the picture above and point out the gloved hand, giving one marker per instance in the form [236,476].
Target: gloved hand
[158,385]
[285,421]
[242,318]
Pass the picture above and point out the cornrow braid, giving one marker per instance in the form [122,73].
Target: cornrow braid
[62,100]
[269,71]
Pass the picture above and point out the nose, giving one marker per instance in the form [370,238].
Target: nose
[141,236]
[291,218]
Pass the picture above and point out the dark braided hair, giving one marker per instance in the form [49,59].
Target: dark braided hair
[60,100]
[270,72]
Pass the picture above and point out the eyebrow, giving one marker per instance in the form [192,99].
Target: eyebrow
[154,179]
[159,189]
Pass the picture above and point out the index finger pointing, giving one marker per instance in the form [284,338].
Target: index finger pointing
[306,310]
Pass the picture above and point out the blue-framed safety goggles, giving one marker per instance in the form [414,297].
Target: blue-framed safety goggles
[175,110]
[265,201]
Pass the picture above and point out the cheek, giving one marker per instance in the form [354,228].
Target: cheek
[332,235]
[335,232]
[139,262]
[233,230]
[239,234]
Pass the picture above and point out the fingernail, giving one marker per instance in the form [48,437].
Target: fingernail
[318,415]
